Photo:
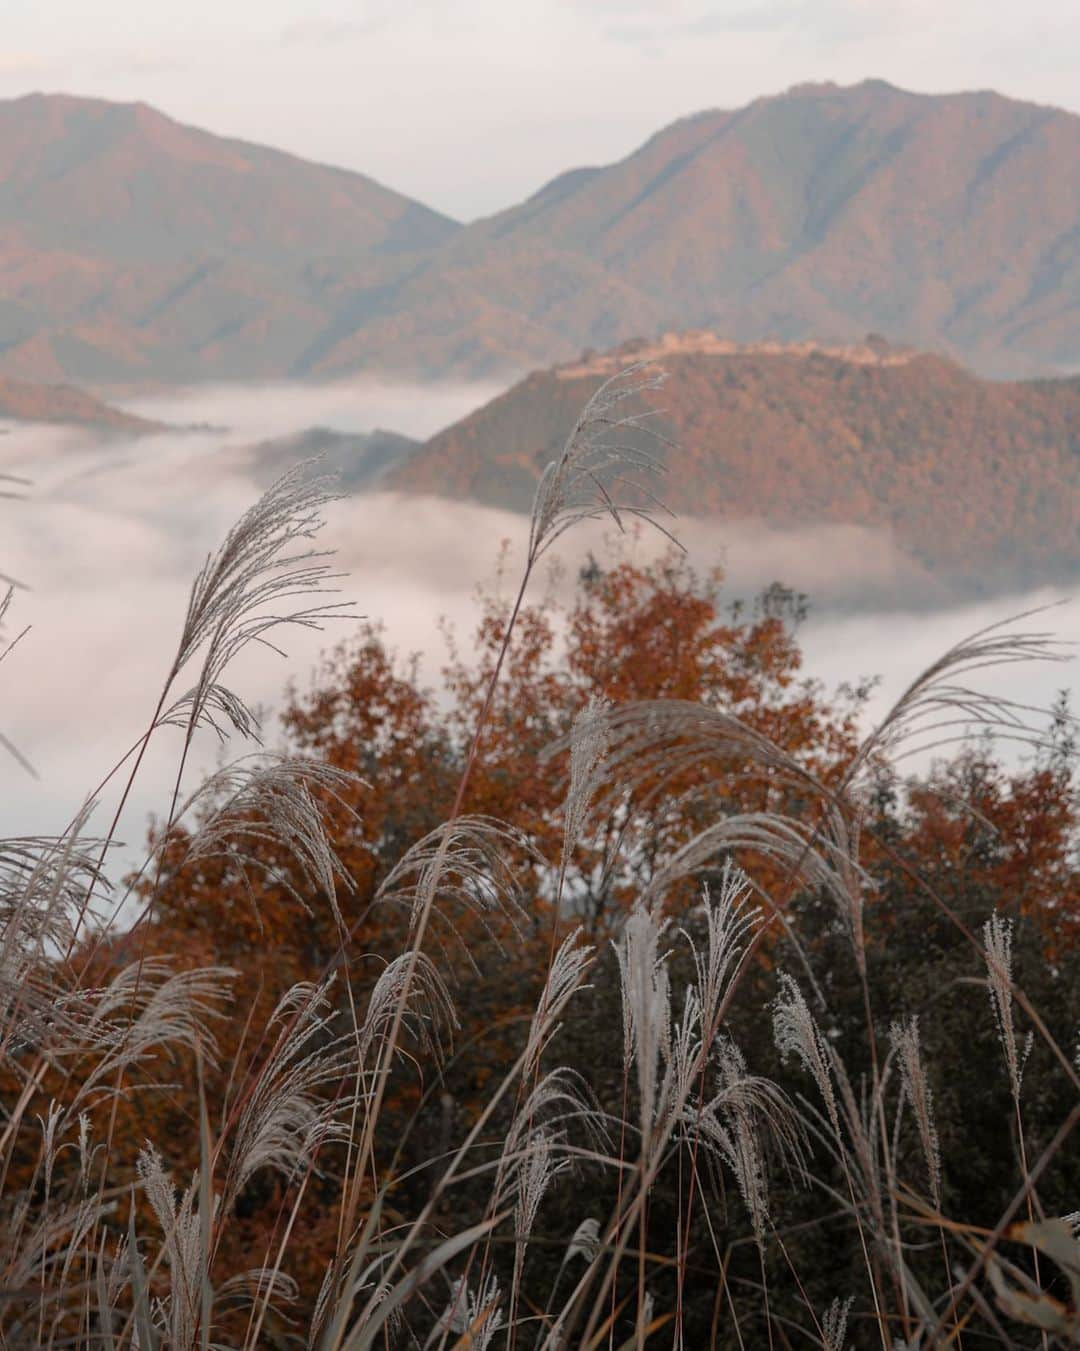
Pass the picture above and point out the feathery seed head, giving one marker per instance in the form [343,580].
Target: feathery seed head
[589,742]
[603,467]
[796,1032]
[997,945]
[834,1324]
[905,1043]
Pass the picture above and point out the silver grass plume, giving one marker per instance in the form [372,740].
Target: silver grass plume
[45,1246]
[262,563]
[589,743]
[834,1324]
[745,1114]
[905,1043]
[271,800]
[43,883]
[728,922]
[795,1032]
[601,472]
[646,1009]
[535,1153]
[50,1123]
[535,1174]
[813,860]
[261,1284]
[5,650]
[661,739]
[687,1050]
[464,862]
[474,1315]
[146,1010]
[997,944]
[186,1233]
[849,880]
[940,708]
[428,1014]
[285,1118]
[585,1241]
[555,1102]
[571,961]
[183,1230]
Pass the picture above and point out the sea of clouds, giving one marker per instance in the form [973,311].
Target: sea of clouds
[110,533]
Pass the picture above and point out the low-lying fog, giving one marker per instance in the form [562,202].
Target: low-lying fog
[111,533]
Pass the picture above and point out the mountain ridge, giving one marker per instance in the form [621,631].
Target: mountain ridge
[134,248]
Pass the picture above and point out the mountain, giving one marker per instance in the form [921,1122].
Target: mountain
[360,460]
[133,247]
[21,401]
[949,222]
[978,481]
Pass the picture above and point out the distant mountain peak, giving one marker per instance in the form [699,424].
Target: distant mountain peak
[135,247]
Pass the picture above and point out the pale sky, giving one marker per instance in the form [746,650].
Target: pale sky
[472,105]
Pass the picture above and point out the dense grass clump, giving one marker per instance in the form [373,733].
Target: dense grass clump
[622,997]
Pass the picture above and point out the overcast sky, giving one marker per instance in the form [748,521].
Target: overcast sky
[470,105]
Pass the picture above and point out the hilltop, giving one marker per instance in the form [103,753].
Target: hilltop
[976,480]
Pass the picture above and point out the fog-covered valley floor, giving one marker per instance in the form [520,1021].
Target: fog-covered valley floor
[110,533]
